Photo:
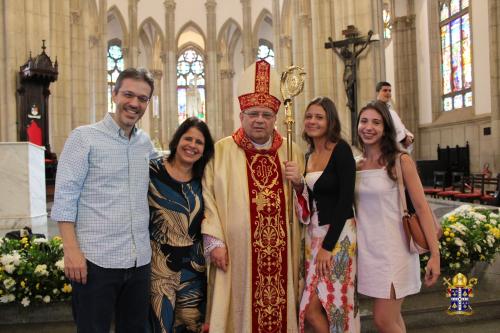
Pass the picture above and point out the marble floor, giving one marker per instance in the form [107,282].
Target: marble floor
[440,207]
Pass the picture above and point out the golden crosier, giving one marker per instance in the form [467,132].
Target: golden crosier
[292,84]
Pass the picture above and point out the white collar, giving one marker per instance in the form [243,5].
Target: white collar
[265,145]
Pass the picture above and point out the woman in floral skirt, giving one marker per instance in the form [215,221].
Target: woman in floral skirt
[325,199]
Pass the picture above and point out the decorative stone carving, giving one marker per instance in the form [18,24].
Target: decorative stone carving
[93,41]
[169,4]
[75,16]
[226,74]
[286,41]
[210,5]
[163,57]
[157,74]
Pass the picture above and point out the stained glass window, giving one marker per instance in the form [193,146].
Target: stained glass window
[265,51]
[456,54]
[386,15]
[191,85]
[115,65]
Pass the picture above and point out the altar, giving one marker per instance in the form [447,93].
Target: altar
[22,184]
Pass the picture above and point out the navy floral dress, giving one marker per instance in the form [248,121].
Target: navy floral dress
[178,278]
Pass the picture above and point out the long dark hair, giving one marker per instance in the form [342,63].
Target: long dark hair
[333,131]
[208,151]
[388,145]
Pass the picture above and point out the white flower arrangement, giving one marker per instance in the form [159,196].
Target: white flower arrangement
[32,271]
[470,235]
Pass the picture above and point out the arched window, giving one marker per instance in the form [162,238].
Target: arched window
[456,55]
[266,52]
[191,85]
[114,67]
[387,17]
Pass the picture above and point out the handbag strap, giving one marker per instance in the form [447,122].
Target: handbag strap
[401,188]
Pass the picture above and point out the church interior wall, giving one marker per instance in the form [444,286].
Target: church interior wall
[259,6]
[459,126]
[423,62]
[157,14]
[238,65]
[190,11]
[298,29]
[263,27]
[228,10]
[122,7]
[190,33]
[389,66]
[481,59]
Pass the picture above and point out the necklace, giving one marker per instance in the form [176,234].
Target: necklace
[176,173]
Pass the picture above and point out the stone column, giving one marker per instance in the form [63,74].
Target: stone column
[154,119]
[276,34]
[79,62]
[435,58]
[169,115]
[286,51]
[495,81]
[300,22]
[61,90]
[405,55]
[307,54]
[99,76]
[3,87]
[211,80]
[322,58]
[226,105]
[285,62]
[133,47]
[248,54]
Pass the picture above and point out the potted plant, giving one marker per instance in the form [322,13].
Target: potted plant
[32,271]
[470,235]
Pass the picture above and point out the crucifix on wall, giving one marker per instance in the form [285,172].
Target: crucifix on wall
[349,50]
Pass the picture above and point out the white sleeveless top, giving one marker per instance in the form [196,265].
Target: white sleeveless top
[383,256]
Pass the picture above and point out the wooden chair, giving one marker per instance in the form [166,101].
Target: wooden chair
[438,183]
[472,188]
[490,197]
[457,186]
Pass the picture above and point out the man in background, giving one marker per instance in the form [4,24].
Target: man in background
[403,135]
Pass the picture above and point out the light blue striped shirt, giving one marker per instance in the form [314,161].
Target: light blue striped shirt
[101,185]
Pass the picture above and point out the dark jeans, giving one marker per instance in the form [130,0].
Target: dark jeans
[108,291]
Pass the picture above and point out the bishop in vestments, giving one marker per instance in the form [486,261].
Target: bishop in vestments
[252,246]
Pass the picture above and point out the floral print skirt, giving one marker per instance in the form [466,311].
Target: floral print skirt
[336,292]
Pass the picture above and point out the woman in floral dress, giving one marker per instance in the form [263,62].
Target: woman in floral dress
[328,301]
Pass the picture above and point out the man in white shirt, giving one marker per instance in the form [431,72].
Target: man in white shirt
[403,135]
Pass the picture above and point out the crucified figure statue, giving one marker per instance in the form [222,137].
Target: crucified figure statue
[349,50]
[349,54]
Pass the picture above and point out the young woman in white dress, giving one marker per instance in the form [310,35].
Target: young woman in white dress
[387,271]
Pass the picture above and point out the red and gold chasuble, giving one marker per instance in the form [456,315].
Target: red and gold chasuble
[269,235]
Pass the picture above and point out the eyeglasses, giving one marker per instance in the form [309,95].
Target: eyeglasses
[130,95]
[257,114]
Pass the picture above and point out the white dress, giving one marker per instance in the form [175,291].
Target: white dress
[383,255]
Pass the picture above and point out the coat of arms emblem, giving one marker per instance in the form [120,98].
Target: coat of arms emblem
[459,292]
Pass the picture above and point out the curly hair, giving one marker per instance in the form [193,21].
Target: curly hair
[388,145]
